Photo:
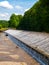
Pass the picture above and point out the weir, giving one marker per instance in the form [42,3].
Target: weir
[37,54]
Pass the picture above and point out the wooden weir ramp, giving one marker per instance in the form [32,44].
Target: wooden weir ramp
[34,43]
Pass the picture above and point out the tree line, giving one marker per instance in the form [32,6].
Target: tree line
[35,19]
[3,24]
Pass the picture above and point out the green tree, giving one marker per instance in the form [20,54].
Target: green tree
[14,20]
[0,26]
[4,23]
[37,17]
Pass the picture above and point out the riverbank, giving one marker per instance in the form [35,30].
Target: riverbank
[3,29]
[10,54]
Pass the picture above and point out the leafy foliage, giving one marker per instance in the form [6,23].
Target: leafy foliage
[3,24]
[14,20]
[37,18]
[0,26]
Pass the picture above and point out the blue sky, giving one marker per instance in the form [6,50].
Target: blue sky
[8,7]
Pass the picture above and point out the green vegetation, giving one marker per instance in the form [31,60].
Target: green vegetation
[3,29]
[36,18]
[3,24]
[14,20]
[0,26]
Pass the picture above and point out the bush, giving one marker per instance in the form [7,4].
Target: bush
[0,26]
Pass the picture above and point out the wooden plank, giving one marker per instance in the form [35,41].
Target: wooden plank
[36,40]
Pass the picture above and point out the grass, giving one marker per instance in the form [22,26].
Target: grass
[3,29]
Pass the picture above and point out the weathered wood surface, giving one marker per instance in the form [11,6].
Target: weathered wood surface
[11,54]
[36,40]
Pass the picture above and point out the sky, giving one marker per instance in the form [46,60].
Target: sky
[8,7]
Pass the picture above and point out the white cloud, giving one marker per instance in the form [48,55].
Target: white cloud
[18,13]
[18,7]
[26,9]
[3,15]
[6,4]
